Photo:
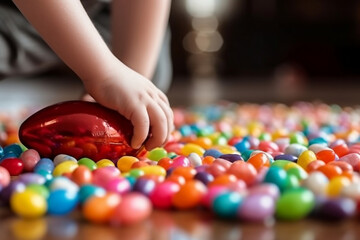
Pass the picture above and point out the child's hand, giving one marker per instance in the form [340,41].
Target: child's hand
[137,99]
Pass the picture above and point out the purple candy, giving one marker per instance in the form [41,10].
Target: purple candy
[336,209]
[144,186]
[32,178]
[288,157]
[257,207]
[14,186]
[231,157]
[204,177]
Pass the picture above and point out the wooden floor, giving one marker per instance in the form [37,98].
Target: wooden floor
[175,225]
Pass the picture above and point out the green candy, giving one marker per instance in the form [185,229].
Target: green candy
[298,138]
[156,154]
[295,204]
[299,173]
[87,162]
[136,173]
[292,182]
[265,137]
[280,163]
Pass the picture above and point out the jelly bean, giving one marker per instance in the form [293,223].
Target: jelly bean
[88,190]
[298,172]
[44,164]
[189,195]
[277,176]
[287,157]
[4,177]
[64,167]
[30,158]
[124,163]
[99,209]
[212,192]
[204,177]
[13,148]
[225,179]
[140,164]
[330,171]
[131,203]
[327,155]
[268,146]
[280,163]
[231,157]
[14,166]
[192,148]
[226,204]
[88,163]
[318,140]
[180,161]
[256,207]
[216,170]
[242,146]
[187,172]
[81,175]
[212,152]
[104,163]
[61,202]
[351,190]
[28,204]
[144,186]
[336,209]
[29,178]
[137,172]
[341,149]
[119,185]
[295,204]
[305,158]
[268,189]
[165,163]
[316,182]
[259,160]
[153,170]
[195,160]
[345,167]
[156,154]
[63,158]
[161,196]
[103,175]
[208,160]
[244,171]
[203,142]
[295,149]
[336,184]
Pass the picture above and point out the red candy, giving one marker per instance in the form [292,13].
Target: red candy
[14,166]
[80,129]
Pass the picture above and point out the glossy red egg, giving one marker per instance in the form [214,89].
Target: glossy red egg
[80,129]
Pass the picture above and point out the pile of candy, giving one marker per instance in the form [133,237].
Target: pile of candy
[249,162]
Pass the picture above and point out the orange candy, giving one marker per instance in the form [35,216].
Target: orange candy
[330,171]
[139,164]
[187,172]
[259,160]
[223,180]
[208,160]
[341,149]
[244,171]
[99,209]
[81,175]
[326,155]
[176,179]
[345,167]
[165,163]
[203,142]
[189,195]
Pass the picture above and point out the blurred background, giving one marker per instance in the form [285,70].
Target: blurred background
[243,51]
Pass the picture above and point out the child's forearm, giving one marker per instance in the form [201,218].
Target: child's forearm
[138,28]
[66,27]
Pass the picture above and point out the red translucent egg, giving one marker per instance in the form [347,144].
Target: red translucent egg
[80,129]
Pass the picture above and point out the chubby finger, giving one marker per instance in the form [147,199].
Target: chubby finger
[141,123]
[169,117]
[158,124]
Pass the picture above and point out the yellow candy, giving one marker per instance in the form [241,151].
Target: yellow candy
[336,184]
[105,163]
[65,167]
[255,128]
[124,163]
[239,131]
[153,170]
[226,149]
[28,204]
[192,148]
[305,158]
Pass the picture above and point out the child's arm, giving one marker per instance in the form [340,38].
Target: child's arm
[66,27]
[138,29]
